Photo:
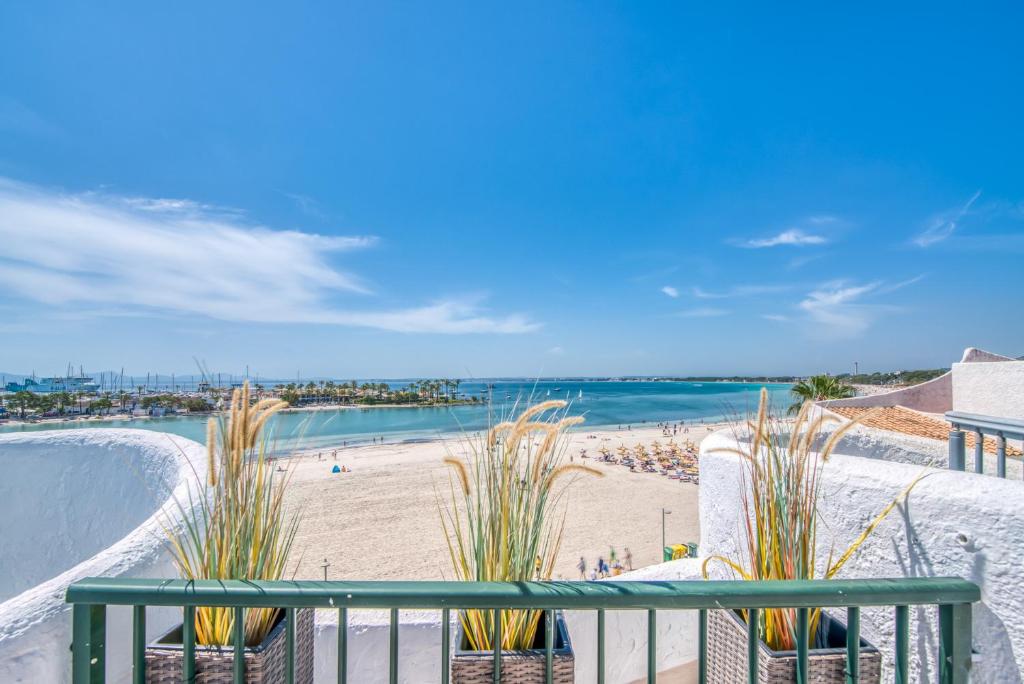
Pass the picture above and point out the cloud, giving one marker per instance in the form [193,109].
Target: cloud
[945,224]
[670,291]
[702,312]
[556,351]
[792,236]
[307,205]
[139,256]
[775,317]
[901,284]
[739,291]
[836,308]
[832,307]
[804,259]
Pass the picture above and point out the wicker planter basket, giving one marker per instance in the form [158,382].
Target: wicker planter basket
[517,667]
[727,655]
[264,664]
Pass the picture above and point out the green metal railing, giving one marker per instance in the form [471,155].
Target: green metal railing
[90,597]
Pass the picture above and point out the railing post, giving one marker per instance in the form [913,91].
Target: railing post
[188,645]
[1001,454]
[446,635]
[753,638]
[238,643]
[88,634]
[902,653]
[289,661]
[853,645]
[393,648]
[957,451]
[979,451]
[702,663]
[652,646]
[954,643]
[343,644]
[549,645]
[139,645]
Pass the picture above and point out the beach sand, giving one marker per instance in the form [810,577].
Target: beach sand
[381,521]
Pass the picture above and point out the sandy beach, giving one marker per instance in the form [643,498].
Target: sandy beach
[380,521]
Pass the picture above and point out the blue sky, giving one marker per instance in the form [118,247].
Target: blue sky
[378,189]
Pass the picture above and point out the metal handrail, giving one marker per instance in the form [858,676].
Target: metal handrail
[954,596]
[980,425]
[990,425]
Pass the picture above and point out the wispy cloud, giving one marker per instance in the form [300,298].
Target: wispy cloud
[307,205]
[838,310]
[556,351]
[834,309]
[740,291]
[140,255]
[793,237]
[775,317]
[702,312]
[944,224]
[804,259]
[670,291]
[892,287]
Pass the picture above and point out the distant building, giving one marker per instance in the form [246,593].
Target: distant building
[72,384]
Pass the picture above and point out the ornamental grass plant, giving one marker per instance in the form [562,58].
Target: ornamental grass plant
[505,514]
[239,529]
[782,478]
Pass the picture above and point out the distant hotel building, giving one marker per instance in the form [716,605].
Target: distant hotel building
[50,385]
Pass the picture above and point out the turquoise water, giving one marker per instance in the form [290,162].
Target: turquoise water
[602,404]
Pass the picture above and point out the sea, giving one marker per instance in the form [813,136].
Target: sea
[602,403]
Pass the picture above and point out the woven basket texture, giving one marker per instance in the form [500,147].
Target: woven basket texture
[727,658]
[264,664]
[517,667]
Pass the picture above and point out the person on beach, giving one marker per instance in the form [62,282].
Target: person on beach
[582,567]
[629,558]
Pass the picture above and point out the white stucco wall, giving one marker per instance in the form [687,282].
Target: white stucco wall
[953,524]
[81,503]
[991,389]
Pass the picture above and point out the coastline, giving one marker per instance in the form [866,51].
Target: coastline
[291,409]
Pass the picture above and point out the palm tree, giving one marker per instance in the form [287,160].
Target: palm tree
[818,388]
[63,400]
[21,401]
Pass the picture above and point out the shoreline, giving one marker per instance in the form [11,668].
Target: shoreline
[410,437]
[291,409]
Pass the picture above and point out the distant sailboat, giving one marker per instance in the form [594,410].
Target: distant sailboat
[580,395]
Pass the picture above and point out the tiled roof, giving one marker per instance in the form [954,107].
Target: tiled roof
[908,422]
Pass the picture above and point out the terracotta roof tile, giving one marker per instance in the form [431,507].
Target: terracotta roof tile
[909,422]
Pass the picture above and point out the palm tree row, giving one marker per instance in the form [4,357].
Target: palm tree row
[328,392]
